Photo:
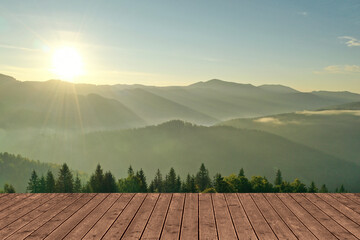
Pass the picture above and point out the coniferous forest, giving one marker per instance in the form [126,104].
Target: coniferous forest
[171,182]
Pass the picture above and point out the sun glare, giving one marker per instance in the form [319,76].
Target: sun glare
[67,63]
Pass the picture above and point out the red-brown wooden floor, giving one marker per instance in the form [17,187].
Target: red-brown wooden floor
[180,216]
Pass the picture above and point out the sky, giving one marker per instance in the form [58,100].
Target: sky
[308,45]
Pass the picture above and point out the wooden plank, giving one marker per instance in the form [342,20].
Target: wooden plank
[261,227]
[353,196]
[90,220]
[306,218]
[7,196]
[138,224]
[324,219]
[173,220]
[76,218]
[28,205]
[225,226]
[45,217]
[157,219]
[190,222]
[241,222]
[280,229]
[207,225]
[335,215]
[43,231]
[297,227]
[340,207]
[347,202]
[106,221]
[3,195]
[13,227]
[122,222]
[12,201]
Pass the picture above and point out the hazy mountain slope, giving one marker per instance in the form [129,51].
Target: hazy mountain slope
[346,106]
[56,105]
[16,170]
[159,109]
[201,103]
[336,132]
[185,147]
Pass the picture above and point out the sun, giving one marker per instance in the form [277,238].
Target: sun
[67,63]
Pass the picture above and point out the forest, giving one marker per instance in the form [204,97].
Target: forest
[136,182]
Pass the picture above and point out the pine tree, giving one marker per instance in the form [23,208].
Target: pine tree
[42,185]
[342,189]
[312,188]
[130,171]
[278,179]
[157,184]
[203,180]
[33,184]
[65,182]
[77,184]
[142,181]
[109,183]
[96,180]
[324,189]
[189,185]
[8,188]
[131,184]
[50,182]
[171,185]
[220,185]
[241,173]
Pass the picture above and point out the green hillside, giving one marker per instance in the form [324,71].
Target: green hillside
[336,132]
[184,146]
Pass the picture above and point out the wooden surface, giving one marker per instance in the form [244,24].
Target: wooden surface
[180,216]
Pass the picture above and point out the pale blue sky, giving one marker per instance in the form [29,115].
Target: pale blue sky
[304,44]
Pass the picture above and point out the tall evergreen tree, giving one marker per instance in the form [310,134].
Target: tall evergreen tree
[42,184]
[342,189]
[312,188]
[142,181]
[278,178]
[189,185]
[65,181]
[202,179]
[241,173]
[157,184]
[109,183]
[171,183]
[77,184]
[33,184]
[50,182]
[323,189]
[97,180]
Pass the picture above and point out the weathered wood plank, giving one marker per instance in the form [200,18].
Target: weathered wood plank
[46,229]
[102,226]
[325,220]
[344,221]
[352,196]
[297,227]
[280,229]
[207,225]
[173,220]
[340,207]
[70,223]
[122,222]
[242,225]
[45,217]
[190,222]
[347,202]
[139,222]
[306,218]
[157,219]
[225,226]
[90,220]
[12,201]
[261,227]
[26,206]
[18,224]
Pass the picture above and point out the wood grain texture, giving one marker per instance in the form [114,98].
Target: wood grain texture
[180,216]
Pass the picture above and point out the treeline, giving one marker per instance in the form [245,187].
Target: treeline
[136,182]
